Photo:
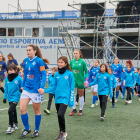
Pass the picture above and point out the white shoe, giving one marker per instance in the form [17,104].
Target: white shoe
[10,130]
[92,106]
[130,101]
[126,102]
[15,126]
[76,103]
[139,99]
[97,103]
[111,100]
[116,100]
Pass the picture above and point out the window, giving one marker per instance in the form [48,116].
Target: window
[55,32]
[10,31]
[35,32]
[2,31]
[28,32]
[47,32]
[18,32]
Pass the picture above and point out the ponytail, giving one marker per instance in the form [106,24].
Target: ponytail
[129,62]
[46,60]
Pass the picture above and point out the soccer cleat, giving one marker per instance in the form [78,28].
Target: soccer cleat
[97,103]
[116,100]
[24,133]
[73,112]
[35,134]
[130,101]
[47,111]
[10,129]
[126,102]
[122,97]
[92,106]
[58,137]
[16,126]
[113,105]
[111,100]
[102,118]
[63,135]
[133,96]
[80,113]
[76,103]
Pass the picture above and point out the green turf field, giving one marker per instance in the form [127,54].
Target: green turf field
[121,123]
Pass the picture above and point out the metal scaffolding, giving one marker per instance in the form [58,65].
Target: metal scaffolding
[104,30]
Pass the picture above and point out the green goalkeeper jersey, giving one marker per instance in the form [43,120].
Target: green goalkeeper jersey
[79,69]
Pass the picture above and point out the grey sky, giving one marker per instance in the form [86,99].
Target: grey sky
[46,5]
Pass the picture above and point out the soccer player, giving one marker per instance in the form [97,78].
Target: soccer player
[2,70]
[104,87]
[114,84]
[117,72]
[11,60]
[129,82]
[79,68]
[92,75]
[12,92]
[63,86]
[34,79]
[138,81]
[51,95]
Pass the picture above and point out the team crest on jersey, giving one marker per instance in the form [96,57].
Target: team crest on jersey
[79,64]
[104,77]
[16,82]
[66,77]
[93,72]
[111,78]
[34,63]
[131,74]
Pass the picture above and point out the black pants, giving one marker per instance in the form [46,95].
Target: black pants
[136,88]
[12,113]
[77,96]
[50,100]
[61,110]
[120,88]
[103,102]
[113,97]
[139,89]
[128,97]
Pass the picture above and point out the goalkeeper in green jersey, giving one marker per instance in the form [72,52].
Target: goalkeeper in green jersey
[79,69]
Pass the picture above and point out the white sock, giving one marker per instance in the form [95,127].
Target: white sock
[74,106]
[81,100]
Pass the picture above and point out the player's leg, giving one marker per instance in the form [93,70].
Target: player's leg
[1,80]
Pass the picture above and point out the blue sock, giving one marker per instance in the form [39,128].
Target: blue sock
[132,91]
[25,122]
[124,91]
[117,94]
[37,122]
[94,99]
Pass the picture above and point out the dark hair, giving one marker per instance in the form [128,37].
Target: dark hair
[98,61]
[106,68]
[13,66]
[110,69]
[129,62]
[81,55]
[65,59]
[3,58]
[10,55]
[129,66]
[138,69]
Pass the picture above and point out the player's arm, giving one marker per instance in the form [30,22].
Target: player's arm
[71,81]
[114,82]
[43,73]
[85,69]
[6,90]
[95,82]
[89,77]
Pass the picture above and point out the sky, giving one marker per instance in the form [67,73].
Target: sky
[46,5]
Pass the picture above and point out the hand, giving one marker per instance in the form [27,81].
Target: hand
[4,101]
[86,79]
[86,84]
[123,84]
[21,90]
[41,91]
